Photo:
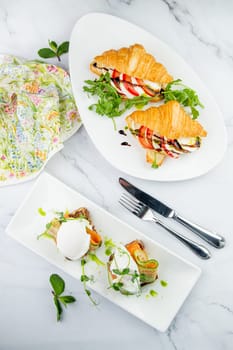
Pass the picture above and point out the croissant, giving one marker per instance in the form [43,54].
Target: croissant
[166,130]
[133,61]
[169,120]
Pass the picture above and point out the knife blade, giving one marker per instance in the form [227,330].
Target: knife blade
[212,238]
[152,202]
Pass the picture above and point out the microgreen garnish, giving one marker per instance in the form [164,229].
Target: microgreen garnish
[58,285]
[125,271]
[163,283]
[64,216]
[184,95]
[84,279]
[41,212]
[109,246]
[54,50]
[61,216]
[117,286]
[45,234]
[95,258]
[110,102]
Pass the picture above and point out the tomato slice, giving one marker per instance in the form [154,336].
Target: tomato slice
[126,77]
[145,137]
[127,81]
[115,74]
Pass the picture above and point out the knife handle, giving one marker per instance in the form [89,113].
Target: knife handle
[196,248]
[214,239]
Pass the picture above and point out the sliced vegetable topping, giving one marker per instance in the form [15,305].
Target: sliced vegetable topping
[147,267]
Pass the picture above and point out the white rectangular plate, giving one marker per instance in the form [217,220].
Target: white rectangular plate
[51,194]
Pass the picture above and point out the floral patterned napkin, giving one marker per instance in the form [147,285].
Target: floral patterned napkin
[37,114]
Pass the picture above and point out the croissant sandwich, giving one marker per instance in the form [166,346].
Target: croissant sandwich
[164,131]
[133,71]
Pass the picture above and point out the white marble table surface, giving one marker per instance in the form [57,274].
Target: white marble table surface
[200,31]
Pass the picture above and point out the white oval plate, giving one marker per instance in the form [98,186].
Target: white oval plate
[51,194]
[97,32]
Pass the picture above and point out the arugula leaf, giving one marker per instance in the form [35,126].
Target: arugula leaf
[57,283]
[184,95]
[110,102]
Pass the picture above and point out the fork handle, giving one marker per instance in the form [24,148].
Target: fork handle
[196,248]
[212,238]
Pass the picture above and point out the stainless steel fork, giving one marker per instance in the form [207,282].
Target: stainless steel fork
[142,211]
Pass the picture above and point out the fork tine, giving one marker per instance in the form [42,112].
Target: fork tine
[133,200]
[126,206]
[129,206]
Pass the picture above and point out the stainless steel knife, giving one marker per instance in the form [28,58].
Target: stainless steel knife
[214,239]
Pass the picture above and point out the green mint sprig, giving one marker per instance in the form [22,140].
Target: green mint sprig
[54,50]
[58,285]
[187,97]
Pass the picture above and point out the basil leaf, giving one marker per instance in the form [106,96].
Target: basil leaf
[53,45]
[57,283]
[46,53]
[58,307]
[63,48]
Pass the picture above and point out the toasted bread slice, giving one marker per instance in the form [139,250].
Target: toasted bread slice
[133,61]
[168,120]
